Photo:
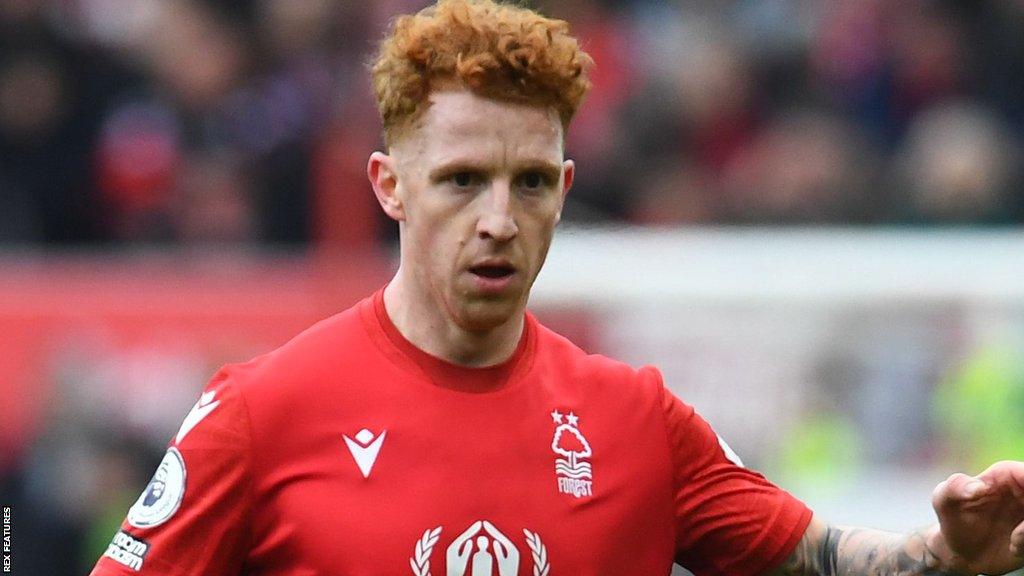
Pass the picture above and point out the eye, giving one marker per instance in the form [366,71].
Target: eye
[534,181]
[462,179]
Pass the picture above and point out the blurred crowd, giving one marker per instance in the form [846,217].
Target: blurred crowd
[179,122]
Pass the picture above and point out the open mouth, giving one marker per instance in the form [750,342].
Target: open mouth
[493,271]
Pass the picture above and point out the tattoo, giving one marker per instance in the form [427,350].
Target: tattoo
[829,561]
[857,551]
[874,552]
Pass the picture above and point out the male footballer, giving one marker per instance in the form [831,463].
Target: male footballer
[438,428]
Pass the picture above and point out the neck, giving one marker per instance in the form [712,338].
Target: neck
[426,323]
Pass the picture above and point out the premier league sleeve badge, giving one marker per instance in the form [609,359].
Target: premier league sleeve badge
[162,497]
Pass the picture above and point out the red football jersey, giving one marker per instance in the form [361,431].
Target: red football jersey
[349,451]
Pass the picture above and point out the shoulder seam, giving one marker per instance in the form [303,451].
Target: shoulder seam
[250,469]
[671,457]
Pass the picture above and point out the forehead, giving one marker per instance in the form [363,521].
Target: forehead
[460,123]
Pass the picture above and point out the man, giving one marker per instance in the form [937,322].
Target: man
[438,428]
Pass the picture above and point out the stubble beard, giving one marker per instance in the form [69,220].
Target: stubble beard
[481,313]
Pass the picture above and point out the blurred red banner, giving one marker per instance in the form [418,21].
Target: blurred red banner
[78,325]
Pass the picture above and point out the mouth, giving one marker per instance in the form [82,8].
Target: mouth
[493,271]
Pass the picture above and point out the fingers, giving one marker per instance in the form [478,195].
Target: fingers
[959,488]
[1008,472]
[473,529]
[1017,541]
[964,487]
[973,488]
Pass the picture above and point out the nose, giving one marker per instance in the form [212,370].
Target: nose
[497,222]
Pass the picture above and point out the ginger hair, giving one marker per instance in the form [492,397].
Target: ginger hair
[498,51]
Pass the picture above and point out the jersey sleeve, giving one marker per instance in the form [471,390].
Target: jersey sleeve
[729,520]
[192,518]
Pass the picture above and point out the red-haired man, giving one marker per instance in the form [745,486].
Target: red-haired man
[438,428]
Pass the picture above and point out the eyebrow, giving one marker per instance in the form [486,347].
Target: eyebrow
[454,167]
[549,169]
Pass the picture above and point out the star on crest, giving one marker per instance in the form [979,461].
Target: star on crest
[573,419]
[556,416]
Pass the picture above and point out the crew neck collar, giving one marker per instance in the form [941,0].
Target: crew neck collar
[453,376]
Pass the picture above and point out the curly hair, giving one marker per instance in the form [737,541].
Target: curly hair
[498,51]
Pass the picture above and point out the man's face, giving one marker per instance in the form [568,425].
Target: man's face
[480,185]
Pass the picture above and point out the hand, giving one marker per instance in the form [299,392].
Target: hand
[457,556]
[981,519]
[504,551]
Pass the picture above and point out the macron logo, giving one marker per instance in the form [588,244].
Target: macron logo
[201,410]
[365,449]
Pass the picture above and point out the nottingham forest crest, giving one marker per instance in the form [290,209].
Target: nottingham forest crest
[574,474]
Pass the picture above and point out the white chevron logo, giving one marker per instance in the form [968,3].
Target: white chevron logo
[365,449]
[201,410]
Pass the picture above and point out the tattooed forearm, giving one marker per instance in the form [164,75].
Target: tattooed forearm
[861,551]
[830,551]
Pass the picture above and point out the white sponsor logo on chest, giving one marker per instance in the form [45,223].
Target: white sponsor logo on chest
[481,550]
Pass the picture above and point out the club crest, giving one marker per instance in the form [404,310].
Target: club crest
[574,474]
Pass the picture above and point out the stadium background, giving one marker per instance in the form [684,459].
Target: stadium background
[806,213]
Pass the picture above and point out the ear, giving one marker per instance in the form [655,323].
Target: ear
[568,173]
[382,172]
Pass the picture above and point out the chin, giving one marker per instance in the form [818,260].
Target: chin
[483,315]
